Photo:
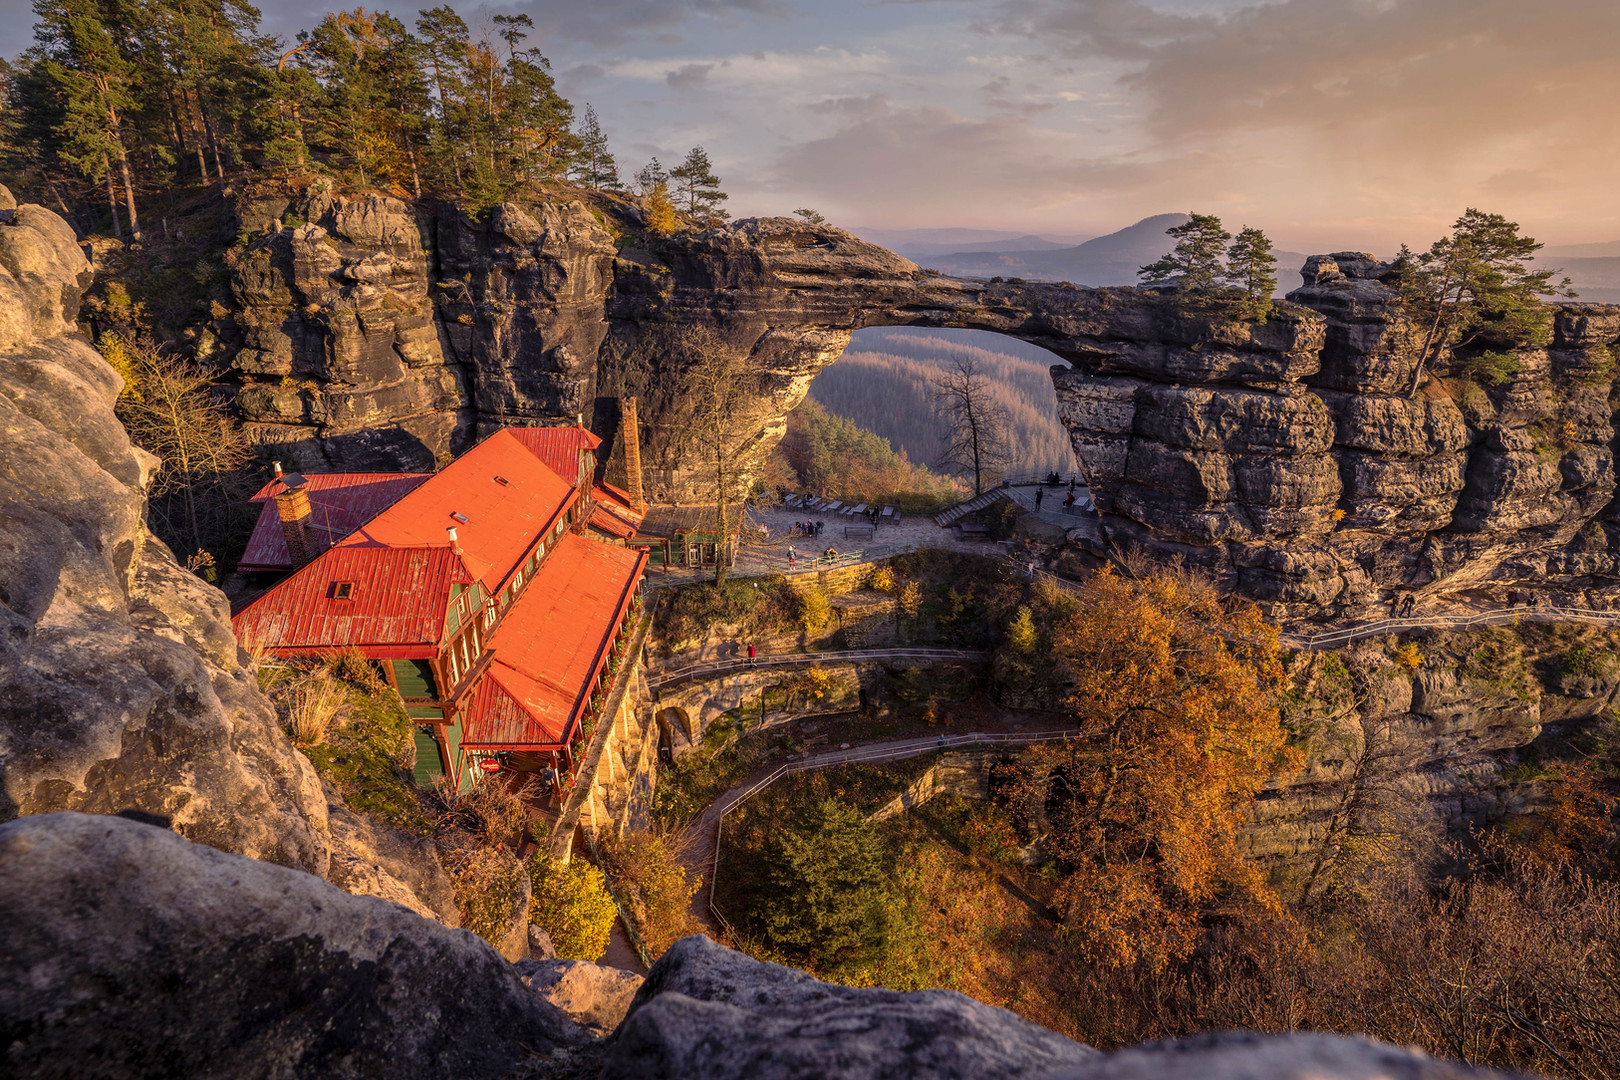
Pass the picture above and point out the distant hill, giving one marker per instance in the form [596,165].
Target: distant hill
[882,383]
[1105,260]
[925,243]
[1597,280]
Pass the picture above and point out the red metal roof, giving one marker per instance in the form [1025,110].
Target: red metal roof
[558,447]
[604,519]
[551,644]
[339,504]
[502,519]
[395,607]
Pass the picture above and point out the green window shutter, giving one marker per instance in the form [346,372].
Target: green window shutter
[415,678]
[428,766]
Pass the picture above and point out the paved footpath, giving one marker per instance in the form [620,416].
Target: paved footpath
[700,839]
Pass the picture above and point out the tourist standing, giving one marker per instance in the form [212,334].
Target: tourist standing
[1040,493]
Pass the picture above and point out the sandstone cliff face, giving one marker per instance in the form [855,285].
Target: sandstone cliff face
[1284,458]
[1335,489]
[122,690]
[120,687]
[1425,749]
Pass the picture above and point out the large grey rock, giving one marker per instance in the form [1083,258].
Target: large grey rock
[120,684]
[594,997]
[1243,1055]
[129,952]
[708,1011]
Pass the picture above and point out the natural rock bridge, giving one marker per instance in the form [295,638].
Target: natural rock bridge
[1284,458]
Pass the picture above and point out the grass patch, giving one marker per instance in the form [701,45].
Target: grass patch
[367,746]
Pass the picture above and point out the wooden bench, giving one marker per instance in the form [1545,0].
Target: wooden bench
[865,532]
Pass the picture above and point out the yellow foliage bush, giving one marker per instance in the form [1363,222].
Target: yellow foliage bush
[881,579]
[572,905]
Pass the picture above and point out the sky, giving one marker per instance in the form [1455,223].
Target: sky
[1331,124]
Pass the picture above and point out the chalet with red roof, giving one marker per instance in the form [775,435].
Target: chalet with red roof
[495,595]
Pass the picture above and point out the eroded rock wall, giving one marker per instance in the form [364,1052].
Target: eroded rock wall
[122,689]
[120,685]
[1288,458]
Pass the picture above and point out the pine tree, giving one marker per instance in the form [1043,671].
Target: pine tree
[697,188]
[1252,268]
[1476,286]
[95,81]
[650,176]
[1196,258]
[594,166]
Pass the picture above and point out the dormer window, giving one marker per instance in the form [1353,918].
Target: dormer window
[342,590]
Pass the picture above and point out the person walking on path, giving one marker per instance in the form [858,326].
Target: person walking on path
[793,557]
[750,653]
[1040,493]
[1068,501]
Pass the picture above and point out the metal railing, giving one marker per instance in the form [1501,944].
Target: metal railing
[842,656]
[889,751]
[1521,613]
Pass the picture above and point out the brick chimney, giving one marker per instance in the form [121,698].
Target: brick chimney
[630,429]
[292,507]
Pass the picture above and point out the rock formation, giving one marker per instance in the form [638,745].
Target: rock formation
[1284,458]
[132,953]
[122,690]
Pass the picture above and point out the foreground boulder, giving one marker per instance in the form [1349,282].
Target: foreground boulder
[594,997]
[126,951]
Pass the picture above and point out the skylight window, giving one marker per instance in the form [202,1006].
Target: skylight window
[463,518]
[342,590]
[503,481]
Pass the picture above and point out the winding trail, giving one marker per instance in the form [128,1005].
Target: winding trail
[699,847]
[663,680]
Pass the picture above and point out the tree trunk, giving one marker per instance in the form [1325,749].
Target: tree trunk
[213,144]
[129,199]
[112,203]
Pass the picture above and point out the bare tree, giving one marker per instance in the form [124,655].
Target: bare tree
[718,386]
[966,396]
[169,409]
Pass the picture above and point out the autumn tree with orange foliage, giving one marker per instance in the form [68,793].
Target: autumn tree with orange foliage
[1177,695]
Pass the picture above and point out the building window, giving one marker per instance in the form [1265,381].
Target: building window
[517,580]
[342,590]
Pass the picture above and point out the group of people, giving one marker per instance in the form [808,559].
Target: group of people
[793,556]
[1068,500]
[807,528]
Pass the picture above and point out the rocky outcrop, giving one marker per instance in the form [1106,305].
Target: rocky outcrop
[1284,458]
[130,952]
[120,685]
[1423,744]
[122,690]
[596,998]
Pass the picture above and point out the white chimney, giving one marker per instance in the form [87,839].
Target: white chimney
[451,532]
[277,466]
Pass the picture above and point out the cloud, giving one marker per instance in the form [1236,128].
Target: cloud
[902,163]
[689,76]
[610,23]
